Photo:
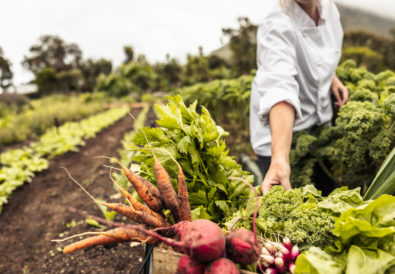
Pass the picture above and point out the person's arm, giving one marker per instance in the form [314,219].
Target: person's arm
[339,91]
[281,117]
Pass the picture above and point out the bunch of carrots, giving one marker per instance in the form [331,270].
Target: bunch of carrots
[150,213]
[207,249]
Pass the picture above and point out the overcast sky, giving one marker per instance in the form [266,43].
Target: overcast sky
[153,27]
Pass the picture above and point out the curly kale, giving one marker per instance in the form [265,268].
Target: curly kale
[297,215]
[352,150]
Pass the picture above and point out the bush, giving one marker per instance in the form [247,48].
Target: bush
[115,85]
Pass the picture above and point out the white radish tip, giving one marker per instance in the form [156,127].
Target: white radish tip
[264,251]
[294,252]
[292,268]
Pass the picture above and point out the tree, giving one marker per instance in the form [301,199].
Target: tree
[140,74]
[196,69]
[5,72]
[91,69]
[46,81]
[243,44]
[52,52]
[129,52]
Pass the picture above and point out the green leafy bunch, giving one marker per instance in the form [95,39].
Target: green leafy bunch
[228,101]
[302,214]
[364,242]
[351,151]
[196,141]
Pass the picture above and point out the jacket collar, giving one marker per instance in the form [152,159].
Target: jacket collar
[301,17]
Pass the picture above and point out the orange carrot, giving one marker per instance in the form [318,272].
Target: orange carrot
[153,201]
[116,235]
[185,208]
[137,216]
[168,194]
[136,204]
[166,189]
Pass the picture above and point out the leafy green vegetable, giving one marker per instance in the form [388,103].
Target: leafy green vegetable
[364,243]
[301,214]
[196,141]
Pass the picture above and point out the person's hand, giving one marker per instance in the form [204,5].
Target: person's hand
[339,91]
[278,174]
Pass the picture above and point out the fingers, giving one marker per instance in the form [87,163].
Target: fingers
[344,94]
[336,93]
[265,187]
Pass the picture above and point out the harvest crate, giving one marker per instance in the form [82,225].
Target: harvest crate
[165,262]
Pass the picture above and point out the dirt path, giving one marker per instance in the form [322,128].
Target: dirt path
[37,213]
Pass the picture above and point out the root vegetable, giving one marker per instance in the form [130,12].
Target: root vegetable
[280,264]
[144,190]
[168,194]
[183,197]
[268,259]
[188,266]
[287,243]
[294,252]
[242,245]
[116,235]
[292,268]
[220,266]
[136,204]
[202,240]
[270,270]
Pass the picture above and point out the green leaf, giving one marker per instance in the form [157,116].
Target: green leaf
[374,220]
[369,261]
[317,261]
[384,182]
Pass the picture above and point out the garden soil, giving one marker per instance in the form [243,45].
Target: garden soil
[38,213]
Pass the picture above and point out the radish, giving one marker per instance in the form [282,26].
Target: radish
[242,245]
[270,270]
[294,252]
[269,247]
[287,243]
[292,268]
[280,264]
[221,266]
[264,251]
[202,239]
[268,259]
[188,266]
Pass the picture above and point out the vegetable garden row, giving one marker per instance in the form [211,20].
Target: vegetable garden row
[181,184]
[20,165]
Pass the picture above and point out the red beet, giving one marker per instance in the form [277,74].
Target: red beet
[241,246]
[202,239]
[188,266]
[221,266]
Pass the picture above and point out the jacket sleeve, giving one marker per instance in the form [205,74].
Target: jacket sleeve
[275,79]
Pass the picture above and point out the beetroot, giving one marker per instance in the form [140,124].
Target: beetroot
[241,246]
[202,239]
[187,266]
[221,266]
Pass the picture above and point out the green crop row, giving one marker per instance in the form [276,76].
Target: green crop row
[20,165]
[39,115]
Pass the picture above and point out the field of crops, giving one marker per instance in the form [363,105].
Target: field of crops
[170,163]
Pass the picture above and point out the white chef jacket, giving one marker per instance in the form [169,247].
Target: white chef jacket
[296,63]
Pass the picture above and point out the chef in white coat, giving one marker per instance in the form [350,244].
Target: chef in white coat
[299,47]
